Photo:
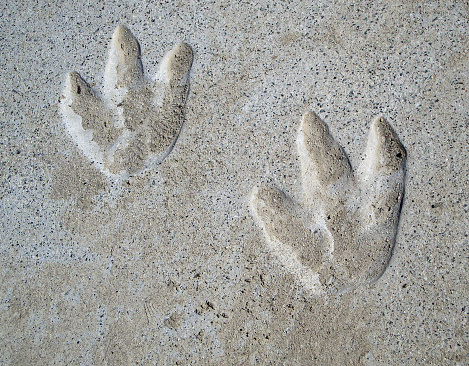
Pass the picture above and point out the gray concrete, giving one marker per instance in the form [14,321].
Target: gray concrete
[169,267]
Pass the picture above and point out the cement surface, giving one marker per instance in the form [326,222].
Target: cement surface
[169,267]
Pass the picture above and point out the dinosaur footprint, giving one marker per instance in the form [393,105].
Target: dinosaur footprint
[134,122]
[343,233]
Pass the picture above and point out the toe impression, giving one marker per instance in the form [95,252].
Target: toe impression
[282,223]
[324,164]
[128,64]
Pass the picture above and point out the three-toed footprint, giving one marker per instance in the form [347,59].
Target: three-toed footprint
[133,122]
[343,233]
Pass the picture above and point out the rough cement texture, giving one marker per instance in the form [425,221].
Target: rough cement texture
[169,267]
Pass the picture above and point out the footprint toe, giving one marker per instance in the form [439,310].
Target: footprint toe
[390,153]
[178,61]
[324,163]
[125,58]
[78,87]
[283,223]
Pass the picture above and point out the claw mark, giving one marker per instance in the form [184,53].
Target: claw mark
[134,123]
[343,233]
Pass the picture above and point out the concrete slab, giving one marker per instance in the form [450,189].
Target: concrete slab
[169,266]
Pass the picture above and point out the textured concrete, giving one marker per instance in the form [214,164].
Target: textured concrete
[169,266]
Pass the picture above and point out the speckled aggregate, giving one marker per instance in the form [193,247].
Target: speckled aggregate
[170,267]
